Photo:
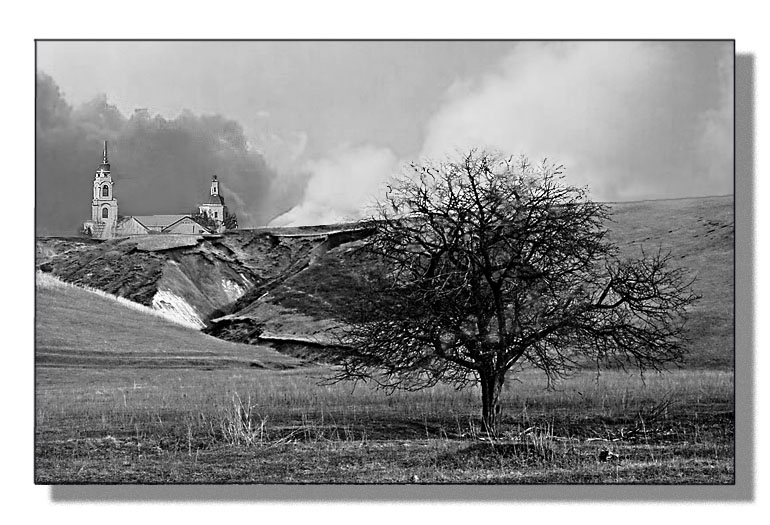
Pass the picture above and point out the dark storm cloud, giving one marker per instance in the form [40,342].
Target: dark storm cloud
[160,166]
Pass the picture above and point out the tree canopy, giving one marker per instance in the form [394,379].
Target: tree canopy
[489,262]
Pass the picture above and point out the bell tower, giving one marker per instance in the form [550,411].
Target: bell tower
[214,186]
[104,206]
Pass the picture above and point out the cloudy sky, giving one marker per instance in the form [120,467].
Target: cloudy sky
[308,132]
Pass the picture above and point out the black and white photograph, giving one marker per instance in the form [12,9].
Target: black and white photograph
[385,262]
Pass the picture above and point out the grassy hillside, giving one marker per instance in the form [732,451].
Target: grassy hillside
[292,282]
[77,327]
[698,232]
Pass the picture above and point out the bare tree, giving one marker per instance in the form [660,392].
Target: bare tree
[489,262]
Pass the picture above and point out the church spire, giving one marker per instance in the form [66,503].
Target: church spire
[104,167]
[104,206]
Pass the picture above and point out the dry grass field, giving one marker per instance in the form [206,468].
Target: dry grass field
[123,396]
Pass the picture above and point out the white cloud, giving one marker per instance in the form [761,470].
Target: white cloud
[630,120]
[616,114]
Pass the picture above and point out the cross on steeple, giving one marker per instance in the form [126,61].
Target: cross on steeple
[104,154]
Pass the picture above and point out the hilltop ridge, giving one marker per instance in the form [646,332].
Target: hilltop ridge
[281,286]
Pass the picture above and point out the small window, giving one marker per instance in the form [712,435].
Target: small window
[105,213]
[215,215]
[105,191]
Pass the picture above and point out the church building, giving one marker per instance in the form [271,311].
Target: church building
[215,207]
[105,222]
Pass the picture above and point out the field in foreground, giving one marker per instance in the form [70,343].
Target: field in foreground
[123,396]
[187,425]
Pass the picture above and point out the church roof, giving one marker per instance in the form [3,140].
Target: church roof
[164,221]
[216,199]
[159,220]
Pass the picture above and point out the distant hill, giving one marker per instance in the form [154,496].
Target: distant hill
[700,234]
[283,286]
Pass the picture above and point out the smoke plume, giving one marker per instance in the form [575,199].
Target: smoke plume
[342,186]
[629,120]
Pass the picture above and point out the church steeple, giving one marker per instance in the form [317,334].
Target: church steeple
[104,167]
[214,186]
[104,206]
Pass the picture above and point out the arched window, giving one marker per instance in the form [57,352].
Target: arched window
[105,191]
[105,213]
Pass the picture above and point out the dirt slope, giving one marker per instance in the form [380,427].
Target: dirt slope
[179,273]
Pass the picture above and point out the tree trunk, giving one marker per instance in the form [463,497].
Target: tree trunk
[491,385]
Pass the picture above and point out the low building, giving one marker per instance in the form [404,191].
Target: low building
[170,224]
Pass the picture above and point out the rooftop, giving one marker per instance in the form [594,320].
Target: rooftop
[216,199]
[159,220]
